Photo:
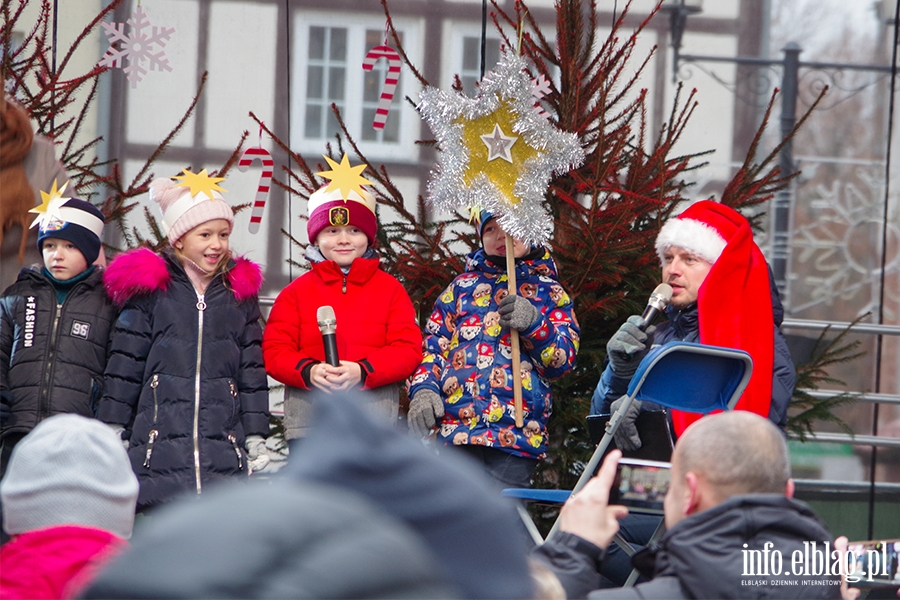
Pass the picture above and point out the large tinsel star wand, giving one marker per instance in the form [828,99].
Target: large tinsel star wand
[499,154]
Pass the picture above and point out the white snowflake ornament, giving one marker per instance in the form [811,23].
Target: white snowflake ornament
[137,47]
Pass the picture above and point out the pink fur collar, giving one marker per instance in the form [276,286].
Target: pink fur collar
[142,271]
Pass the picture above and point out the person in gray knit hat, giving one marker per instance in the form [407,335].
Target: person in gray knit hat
[68,500]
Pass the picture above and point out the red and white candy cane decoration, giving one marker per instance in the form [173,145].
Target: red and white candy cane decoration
[390,80]
[265,181]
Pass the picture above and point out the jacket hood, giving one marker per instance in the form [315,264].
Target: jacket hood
[450,506]
[712,542]
[282,540]
[143,271]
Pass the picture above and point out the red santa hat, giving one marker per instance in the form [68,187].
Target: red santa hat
[735,301]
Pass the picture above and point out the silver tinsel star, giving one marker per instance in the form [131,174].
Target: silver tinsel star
[498,144]
[466,174]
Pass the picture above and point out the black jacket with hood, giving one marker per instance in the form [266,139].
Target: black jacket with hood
[704,555]
[52,355]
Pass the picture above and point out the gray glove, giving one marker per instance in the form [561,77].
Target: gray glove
[518,313]
[628,346]
[257,452]
[626,436]
[424,410]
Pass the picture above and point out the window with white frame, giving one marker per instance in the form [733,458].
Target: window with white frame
[470,69]
[328,70]
[465,58]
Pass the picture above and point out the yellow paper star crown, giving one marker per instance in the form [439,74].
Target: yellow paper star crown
[200,182]
[50,204]
[345,178]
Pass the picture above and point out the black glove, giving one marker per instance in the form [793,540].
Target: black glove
[6,400]
[517,313]
[628,346]
[424,410]
[626,436]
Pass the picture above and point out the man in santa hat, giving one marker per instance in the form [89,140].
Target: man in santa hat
[722,295]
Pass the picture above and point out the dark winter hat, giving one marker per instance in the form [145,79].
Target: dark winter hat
[73,220]
[69,470]
[483,217]
[432,494]
[296,541]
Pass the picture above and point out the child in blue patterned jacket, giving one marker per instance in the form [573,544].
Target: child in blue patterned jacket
[464,385]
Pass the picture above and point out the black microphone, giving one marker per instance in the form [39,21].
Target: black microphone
[328,325]
[655,305]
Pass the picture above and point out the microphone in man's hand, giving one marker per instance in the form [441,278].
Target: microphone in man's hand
[328,325]
[657,303]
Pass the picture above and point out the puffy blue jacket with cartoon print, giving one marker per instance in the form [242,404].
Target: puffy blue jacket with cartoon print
[467,356]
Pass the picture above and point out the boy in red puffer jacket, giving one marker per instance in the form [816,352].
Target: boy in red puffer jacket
[378,340]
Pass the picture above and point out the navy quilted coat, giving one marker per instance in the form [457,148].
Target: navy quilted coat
[185,375]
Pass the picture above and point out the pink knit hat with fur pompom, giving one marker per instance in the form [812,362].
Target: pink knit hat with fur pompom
[182,212]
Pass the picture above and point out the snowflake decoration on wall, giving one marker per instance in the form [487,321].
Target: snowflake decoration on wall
[837,254]
[137,47]
[497,152]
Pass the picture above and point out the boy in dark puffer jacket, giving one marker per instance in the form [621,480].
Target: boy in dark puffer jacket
[55,323]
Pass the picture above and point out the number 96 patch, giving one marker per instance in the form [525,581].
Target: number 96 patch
[80,329]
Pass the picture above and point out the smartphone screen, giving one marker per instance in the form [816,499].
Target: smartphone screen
[641,485]
[874,562]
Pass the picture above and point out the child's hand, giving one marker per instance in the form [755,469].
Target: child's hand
[318,376]
[331,379]
[346,376]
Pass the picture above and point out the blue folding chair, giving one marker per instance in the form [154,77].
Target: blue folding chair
[681,375]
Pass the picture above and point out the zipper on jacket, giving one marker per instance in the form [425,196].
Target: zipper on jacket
[154,383]
[48,369]
[344,285]
[237,451]
[234,394]
[201,306]
[154,433]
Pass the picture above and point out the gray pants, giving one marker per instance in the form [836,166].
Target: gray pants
[383,402]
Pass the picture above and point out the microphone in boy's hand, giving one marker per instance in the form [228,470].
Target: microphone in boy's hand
[328,326]
[657,303]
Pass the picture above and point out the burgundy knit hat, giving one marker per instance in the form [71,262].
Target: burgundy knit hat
[331,209]
[182,212]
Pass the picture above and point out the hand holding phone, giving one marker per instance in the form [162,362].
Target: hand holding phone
[588,512]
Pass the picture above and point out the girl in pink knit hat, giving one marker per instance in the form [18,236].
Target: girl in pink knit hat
[377,337]
[185,383]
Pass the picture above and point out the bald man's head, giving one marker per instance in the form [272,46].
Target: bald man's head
[731,453]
